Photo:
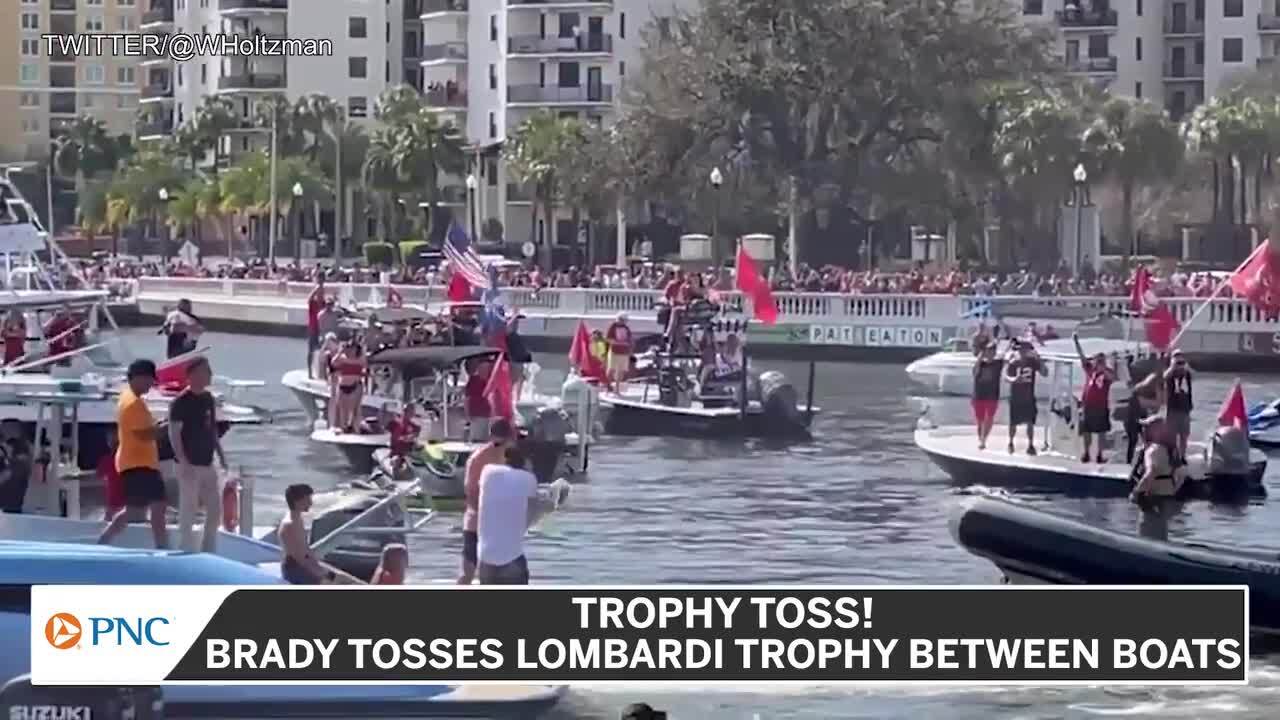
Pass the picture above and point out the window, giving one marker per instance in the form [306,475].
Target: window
[1099,46]
[31,125]
[124,102]
[1032,7]
[1233,8]
[94,74]
[93,3]
[30,47]
[1199,52]
[357,106]
[493,28]
[622,68]
[1137,49]
[357,27]
[93,23]
[30,100]
[491,172]
[126,23]
[90,100]
[493,76]
[493,126]
[125,76]
[1199,9]
[126,3]
[29,73]
[1232,50]
[30,21]
[622,25]
[357,67]
[204,74]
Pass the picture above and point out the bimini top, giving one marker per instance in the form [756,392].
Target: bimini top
[46,563]
[48,299]
[431,357]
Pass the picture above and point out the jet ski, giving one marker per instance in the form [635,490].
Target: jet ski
[1264,425]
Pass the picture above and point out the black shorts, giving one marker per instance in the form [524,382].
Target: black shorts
[470,543]
[142,486]
[1096,420]
[515,572]
[1022,411]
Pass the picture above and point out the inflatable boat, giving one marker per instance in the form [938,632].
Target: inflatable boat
[1034,546]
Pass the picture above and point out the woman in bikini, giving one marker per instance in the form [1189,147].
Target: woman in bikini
[347,377]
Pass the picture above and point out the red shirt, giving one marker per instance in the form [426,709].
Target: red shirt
[57,326]
[15,341]
[477,403]
[315,303]
[1097,388]
[674,291]
[619,337]
[403,431]
[111,479]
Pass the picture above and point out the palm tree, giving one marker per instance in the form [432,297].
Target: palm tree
[1134,144]
[425,148]
[379,175]
[82,150]
[211,121]
[536,154]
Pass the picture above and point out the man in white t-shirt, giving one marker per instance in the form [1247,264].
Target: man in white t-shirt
[510,502]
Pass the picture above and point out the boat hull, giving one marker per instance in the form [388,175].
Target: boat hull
[1031,545]
[654,420]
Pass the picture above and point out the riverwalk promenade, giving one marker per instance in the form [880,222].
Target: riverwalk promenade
[1227,335]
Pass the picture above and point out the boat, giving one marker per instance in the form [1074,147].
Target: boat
[24,564]
[1215,468]
[669,400]
[1033,546]
[1264,425]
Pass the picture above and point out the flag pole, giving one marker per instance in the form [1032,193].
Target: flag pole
[1216,293]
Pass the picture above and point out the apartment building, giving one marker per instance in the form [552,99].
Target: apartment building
[1172,52]
[41,92]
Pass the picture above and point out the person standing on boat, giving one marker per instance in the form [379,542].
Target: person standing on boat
[1177,380]
[987,371]
[1021,373]
[193,434]
[1095,400]
[182,330]
[518,354]
[138,457]
[62,333]
[315,303]
[347,380]
[475,399]
[15,336]
[501,436]
[15,467]
[618,335]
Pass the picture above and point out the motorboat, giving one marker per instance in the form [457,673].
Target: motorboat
[27,563]
[670,399]
[1029,545]
[1264,425]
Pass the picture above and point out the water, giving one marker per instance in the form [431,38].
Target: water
[859,505]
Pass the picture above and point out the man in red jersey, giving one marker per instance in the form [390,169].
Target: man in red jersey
[1095,400]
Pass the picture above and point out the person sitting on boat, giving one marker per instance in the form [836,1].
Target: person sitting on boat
[62,332]
[1177,380]
[15,336]
[182,330]
[393,565]
[297,565]
[15,466]
[1095,400]
[1160,468]
[501,436]
[476,401]
[618,335]
[987,371]
[403,435]
[347,382]
[1021,370]
[138,457]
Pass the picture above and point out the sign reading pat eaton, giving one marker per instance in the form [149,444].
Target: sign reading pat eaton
[671,634]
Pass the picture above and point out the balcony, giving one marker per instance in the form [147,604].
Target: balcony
[255,81]
[157,92]
[599,43]
[161,14]
[1092,66]
[252,6]
[558,4]
[431,8]
[62,6]
[444,97]
[539,95]
[1081,20]
[1268,23]
[1183,27]
[1181,72]
[155,128]
[62,103]
[454,52]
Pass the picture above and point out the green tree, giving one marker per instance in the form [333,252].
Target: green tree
[537,154]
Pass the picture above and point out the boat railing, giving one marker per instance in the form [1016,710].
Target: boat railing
[355,524]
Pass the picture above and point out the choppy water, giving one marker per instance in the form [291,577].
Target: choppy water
[859,505]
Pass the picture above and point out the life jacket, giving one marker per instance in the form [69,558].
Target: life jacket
[1140,463]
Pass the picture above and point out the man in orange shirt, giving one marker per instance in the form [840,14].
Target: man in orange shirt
[138,457]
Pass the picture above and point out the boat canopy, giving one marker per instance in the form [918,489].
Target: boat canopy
[426,358]
[50,299]
[395,314]
[26,562]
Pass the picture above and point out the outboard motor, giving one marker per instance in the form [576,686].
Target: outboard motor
[547,441]
[781,405]
[20,700]
[1227,461]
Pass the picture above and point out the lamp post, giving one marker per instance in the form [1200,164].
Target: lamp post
[716,179]
[1080,176]
[471,205]
[295,210]
[163,194]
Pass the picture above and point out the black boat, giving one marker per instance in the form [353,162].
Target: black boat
[1034,546]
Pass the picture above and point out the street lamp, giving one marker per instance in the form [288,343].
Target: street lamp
[163,194]
[471,204]
[297,223]
[716,179]
[1081,176]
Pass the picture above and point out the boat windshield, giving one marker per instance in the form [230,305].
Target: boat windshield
[957,344]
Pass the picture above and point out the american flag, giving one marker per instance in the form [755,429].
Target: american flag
[457,249]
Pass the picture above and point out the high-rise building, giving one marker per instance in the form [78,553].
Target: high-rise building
[41,91]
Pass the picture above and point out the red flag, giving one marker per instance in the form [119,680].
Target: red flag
[171,375]
[580,357]
[498,389]
[750,282]
[1161,325]
[459,289]
[1258,279]
[1234,412]
[394,300]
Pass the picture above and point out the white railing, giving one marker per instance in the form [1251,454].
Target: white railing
[1223,315]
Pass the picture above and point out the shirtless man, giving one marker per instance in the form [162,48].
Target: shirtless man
[297,564]
[501,436]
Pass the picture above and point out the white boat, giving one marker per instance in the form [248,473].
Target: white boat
[950,372]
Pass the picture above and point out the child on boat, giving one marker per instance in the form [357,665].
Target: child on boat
[391,569]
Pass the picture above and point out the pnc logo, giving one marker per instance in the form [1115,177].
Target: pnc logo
[62,630]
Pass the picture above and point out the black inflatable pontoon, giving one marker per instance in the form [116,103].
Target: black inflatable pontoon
[1030,545]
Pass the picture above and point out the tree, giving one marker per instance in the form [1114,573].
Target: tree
[84,149]
[1134,144]
[536,154]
